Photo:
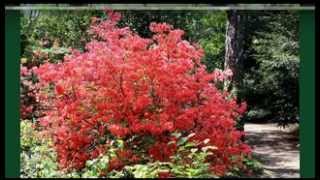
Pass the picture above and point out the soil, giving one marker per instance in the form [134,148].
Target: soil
[276,148]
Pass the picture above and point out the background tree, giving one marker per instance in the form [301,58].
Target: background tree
[270,81]
[234,44]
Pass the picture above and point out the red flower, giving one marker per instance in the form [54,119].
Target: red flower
[115,164]
[160,27]
[219,170]
[59,89]
[118,130]
[162,151]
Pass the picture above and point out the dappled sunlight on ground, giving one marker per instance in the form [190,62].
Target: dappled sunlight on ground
[277,149]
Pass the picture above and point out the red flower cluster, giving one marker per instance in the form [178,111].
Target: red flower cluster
[115,164]
[162,151]
[127,85]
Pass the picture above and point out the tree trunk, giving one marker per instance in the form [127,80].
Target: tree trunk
[234,48]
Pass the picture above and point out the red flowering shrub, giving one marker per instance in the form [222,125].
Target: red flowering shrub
[137,89]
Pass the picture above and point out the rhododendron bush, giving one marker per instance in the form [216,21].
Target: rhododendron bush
[140,90]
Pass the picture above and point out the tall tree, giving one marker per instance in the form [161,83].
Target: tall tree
[234,47]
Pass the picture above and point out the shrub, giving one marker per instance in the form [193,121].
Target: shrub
[140,90]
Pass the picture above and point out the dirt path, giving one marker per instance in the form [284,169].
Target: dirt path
[275,148]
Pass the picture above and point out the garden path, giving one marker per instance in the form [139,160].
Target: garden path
[276,148]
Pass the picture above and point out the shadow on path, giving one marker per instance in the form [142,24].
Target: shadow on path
[276,149]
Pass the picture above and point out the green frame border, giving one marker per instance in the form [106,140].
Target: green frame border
[307,93]
[12,93]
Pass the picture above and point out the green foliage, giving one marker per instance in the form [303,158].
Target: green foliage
[50,32]
[199,168]
[213,39]
[204,27]
[47,29]
[95,166]
[257,114]
[254,167]
[188,162]
[149,170]
[271,68]
[37,158]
